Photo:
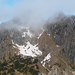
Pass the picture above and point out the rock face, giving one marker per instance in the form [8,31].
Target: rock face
[63,33]
[55,70]
[51,51]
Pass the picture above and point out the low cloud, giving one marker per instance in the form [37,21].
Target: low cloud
[35,11]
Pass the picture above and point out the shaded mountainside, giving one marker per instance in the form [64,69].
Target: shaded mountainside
[63,33]
[51,51]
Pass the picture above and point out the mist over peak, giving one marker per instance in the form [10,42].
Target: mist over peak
[35,23]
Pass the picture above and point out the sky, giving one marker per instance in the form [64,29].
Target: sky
[34,9]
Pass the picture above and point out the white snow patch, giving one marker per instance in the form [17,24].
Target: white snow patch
[46,60]
[24,34]
[13,44]
[30,34]
[40,34]
[29,50]
[27,33]
[57,45]
[49,34]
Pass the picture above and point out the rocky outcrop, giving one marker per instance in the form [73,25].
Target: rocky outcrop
[55,70]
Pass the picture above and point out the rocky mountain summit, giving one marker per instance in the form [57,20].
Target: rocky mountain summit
[48,51]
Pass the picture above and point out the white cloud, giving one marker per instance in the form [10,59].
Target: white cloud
[35,9]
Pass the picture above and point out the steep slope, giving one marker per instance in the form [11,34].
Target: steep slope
[62,33]
[50,51]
